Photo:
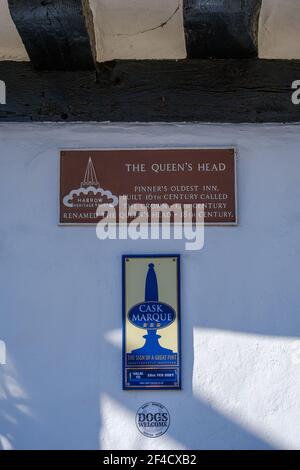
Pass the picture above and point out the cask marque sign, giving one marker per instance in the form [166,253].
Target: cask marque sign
[148,176]
[151,322]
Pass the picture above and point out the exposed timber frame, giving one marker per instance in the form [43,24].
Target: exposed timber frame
[57,34]
[198,90]
[221,29]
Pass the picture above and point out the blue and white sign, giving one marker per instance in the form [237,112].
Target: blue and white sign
[151,322]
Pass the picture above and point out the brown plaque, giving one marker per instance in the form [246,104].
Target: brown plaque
[148,176]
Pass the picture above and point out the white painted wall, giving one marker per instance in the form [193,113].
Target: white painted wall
[279,29]
[138,29]
[124,30]
[131,30]
[61,302]
[11,45]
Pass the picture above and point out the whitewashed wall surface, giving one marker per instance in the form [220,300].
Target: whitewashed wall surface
[139,29]
[61,302]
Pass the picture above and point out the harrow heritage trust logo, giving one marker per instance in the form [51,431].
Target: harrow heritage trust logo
[152,419]
[2,92]
[89,195]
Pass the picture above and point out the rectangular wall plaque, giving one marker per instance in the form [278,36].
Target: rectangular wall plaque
[151,322]
[146,176]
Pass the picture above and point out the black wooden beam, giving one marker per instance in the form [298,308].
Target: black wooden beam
[189,90]
[57,34]
[221,28]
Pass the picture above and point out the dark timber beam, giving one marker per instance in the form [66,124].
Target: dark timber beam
[57,34]
[221,28]
[227,90]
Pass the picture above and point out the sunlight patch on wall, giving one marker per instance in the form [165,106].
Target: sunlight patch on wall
[5,443]
[114,337]
[13,405]
[251,379]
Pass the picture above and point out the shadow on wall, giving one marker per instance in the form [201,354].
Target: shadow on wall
[65,363]
[195,424]
[60,410]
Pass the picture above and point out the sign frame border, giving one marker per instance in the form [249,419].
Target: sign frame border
[93,149]
[151,256]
